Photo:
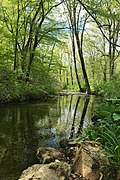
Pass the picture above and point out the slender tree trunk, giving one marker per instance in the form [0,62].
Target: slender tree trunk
[80,51]
[105,64]
[71,25]
[60,74]
[67,80]
[51,58]
[105,70]
[83,67]
[29,65]
[71,75]
[113,56]
[75,63]
[64,76]
[16,38]
[32,54]
[71,72]
[113,38]
[110,51]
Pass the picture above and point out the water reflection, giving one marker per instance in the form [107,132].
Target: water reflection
[74,117]
[86,103]
[25,127]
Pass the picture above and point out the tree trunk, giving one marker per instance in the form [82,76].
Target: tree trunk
[75,63]
[72,27]
[16,38]
[67,80]
[104,73]
[51,58]
[32,54]
[80,51]
[70,65]
[71,75]
[110,51]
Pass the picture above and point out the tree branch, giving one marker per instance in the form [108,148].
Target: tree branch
[97,22]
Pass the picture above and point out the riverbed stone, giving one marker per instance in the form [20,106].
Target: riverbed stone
[57,170]
[48,155]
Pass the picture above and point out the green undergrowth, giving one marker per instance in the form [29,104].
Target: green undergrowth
[105,126]
[108,134]
[14,90]
[109,89]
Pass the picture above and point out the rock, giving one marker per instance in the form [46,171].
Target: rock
[52,171]
[88,160]
[83,162]
[62,168]
[96,175]
[72,163]
[48,155]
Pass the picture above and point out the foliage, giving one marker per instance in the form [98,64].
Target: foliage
[109,89]
[35,46]
[106,131]
[28,64]
[19,90]
[110,138]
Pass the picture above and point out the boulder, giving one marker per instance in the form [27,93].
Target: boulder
[88,160]
[48,155]
[53,171]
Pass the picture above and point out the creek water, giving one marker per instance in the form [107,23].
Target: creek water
[26,126]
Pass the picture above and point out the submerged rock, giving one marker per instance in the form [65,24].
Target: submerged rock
[53,171]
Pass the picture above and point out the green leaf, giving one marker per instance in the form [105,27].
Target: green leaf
[116,117]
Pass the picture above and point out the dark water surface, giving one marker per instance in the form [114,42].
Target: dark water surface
[25,127]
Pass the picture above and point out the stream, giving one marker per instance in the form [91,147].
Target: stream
[26,126]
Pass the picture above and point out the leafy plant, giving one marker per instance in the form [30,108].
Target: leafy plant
[106,130]
[110,138]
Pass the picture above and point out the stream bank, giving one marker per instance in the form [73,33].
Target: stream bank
[74,161]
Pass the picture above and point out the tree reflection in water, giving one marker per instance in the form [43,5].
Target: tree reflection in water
[87,100]
[25,127]
[74,117]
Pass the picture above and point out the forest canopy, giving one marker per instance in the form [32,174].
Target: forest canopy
[50,45]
